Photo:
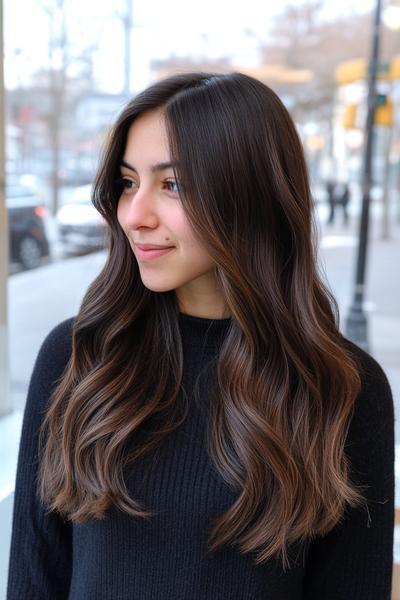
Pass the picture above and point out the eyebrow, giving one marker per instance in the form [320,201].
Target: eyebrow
[162,166]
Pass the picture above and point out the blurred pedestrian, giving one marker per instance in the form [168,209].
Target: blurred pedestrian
[331,197]
[343,199]
[201,429]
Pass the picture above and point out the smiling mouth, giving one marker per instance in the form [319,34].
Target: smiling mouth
[151,246]
[152,253]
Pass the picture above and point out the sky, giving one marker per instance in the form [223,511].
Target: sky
[211,28]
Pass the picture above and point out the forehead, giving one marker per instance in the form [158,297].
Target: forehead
[147,138]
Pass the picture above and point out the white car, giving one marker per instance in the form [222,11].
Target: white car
[80,226]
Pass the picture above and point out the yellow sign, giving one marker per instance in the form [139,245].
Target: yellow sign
[349,116]
[357,69]
[394,72]
[351,70]
[384,114]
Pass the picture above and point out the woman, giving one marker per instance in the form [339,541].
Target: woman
[205,430]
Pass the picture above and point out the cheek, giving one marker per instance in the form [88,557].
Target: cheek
[194,249]
[179,224]
[122,216]
[195,253]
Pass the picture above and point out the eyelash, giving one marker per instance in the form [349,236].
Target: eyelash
[123,185]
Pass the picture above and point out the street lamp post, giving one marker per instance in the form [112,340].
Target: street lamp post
[356,324]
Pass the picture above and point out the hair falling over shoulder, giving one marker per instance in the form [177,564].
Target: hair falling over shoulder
[286,381]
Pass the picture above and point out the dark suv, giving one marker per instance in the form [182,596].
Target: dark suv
[28,242]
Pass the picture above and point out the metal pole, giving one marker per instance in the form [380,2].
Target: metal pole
[4,389]
[356,324]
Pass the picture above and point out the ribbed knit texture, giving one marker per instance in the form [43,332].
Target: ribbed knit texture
[165,558]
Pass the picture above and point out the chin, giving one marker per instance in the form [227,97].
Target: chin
[154,286]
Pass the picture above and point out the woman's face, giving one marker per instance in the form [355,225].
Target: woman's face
[150,213]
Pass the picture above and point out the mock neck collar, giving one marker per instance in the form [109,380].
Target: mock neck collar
[199,331]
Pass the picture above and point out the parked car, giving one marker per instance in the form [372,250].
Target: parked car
[81,228]
[28,243]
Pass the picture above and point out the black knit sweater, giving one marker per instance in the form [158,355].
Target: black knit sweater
[165,558]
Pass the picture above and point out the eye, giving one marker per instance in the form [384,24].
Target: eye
[124,185]
[172,185]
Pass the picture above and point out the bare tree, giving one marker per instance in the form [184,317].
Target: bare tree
[62,56]
[302,39]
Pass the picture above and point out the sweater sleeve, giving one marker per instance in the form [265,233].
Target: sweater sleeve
[41,548]
[354,560]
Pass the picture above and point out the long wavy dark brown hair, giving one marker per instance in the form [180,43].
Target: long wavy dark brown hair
[286,381]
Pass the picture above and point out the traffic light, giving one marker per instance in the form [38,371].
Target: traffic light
[380,100]
[353,115]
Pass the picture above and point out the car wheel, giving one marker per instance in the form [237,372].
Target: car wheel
[29,253]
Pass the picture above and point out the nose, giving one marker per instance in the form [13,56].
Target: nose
[141,211]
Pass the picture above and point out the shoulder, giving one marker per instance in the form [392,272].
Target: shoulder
[58,340]
[49,367]
[53,355]
[374,408]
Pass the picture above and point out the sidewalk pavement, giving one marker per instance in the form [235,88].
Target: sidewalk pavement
[382,287]
[382,298]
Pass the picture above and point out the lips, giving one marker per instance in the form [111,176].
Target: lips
[151,247]
[146,252]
